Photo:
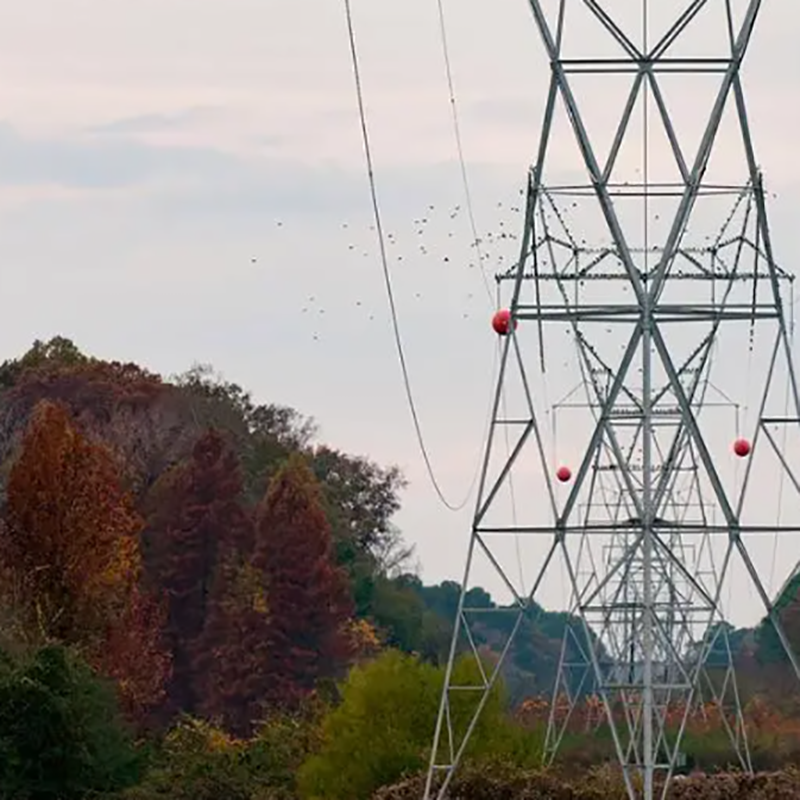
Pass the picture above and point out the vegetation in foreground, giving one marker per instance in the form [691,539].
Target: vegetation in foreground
[198,600]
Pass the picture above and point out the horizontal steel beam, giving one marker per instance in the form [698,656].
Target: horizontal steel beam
[707,277]
[606,529]
[632,314]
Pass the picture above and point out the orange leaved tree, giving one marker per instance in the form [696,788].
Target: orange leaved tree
[70,554]
[308,595]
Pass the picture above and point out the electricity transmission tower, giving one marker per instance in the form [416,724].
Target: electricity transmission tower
[646,254]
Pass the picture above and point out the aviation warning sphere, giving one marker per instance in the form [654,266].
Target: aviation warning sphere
[563,474]
[500,322]
[741,447]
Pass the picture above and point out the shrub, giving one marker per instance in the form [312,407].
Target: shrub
[197,762]
[379,730]
[282,744]
[383,728]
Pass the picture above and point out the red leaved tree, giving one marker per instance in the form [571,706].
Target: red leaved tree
[198,523]
[133,654]
[280,617]
[70,555]
[232,654]
[308,596]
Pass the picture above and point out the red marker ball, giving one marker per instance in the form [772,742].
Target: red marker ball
[563,474]
[741,447]
[501,320]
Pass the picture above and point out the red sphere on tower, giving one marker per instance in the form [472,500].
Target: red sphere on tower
[563,474]
[741,447]
[501,320]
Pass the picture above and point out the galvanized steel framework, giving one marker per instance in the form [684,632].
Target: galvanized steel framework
[648,487]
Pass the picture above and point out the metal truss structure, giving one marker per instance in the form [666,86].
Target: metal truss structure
[676,317]
[684,607]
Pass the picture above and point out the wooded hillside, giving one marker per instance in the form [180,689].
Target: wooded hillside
[209,558]
[259,560]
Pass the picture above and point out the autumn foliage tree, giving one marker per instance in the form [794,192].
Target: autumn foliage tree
[231,656]
[58,350]
[70,556]
[200,523]
[308,596]
[280,617]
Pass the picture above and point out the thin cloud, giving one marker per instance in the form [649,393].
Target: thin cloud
[92,164]
[156,123]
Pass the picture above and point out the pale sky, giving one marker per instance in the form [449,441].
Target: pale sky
[150,150]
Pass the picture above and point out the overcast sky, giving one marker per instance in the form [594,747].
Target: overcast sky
[150,150]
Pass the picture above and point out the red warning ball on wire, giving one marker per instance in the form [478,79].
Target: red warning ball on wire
[501,322]
[563,474]
[741,447]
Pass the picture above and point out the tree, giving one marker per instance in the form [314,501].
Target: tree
[361,498]
[197,761]
[265,434]
[70,540]
[70,551]
[231,656]
[56,351]
[61,735]
[279,613]
[199,522]
[280,422]
[134,654]
[307,594]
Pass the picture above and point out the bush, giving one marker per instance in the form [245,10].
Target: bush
[61,733]
[506,782]
[600,784]
[378,732]
[383,728]
[197,762]
[282,744]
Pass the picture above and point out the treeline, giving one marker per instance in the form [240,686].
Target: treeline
[200,599]
[202,552]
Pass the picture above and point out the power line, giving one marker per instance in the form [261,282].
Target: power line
[460,148]
[388,278]
[479,250]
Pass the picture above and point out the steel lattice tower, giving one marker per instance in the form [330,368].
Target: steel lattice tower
[657,261]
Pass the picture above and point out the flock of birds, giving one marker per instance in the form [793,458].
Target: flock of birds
[440,235]
[432,238]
